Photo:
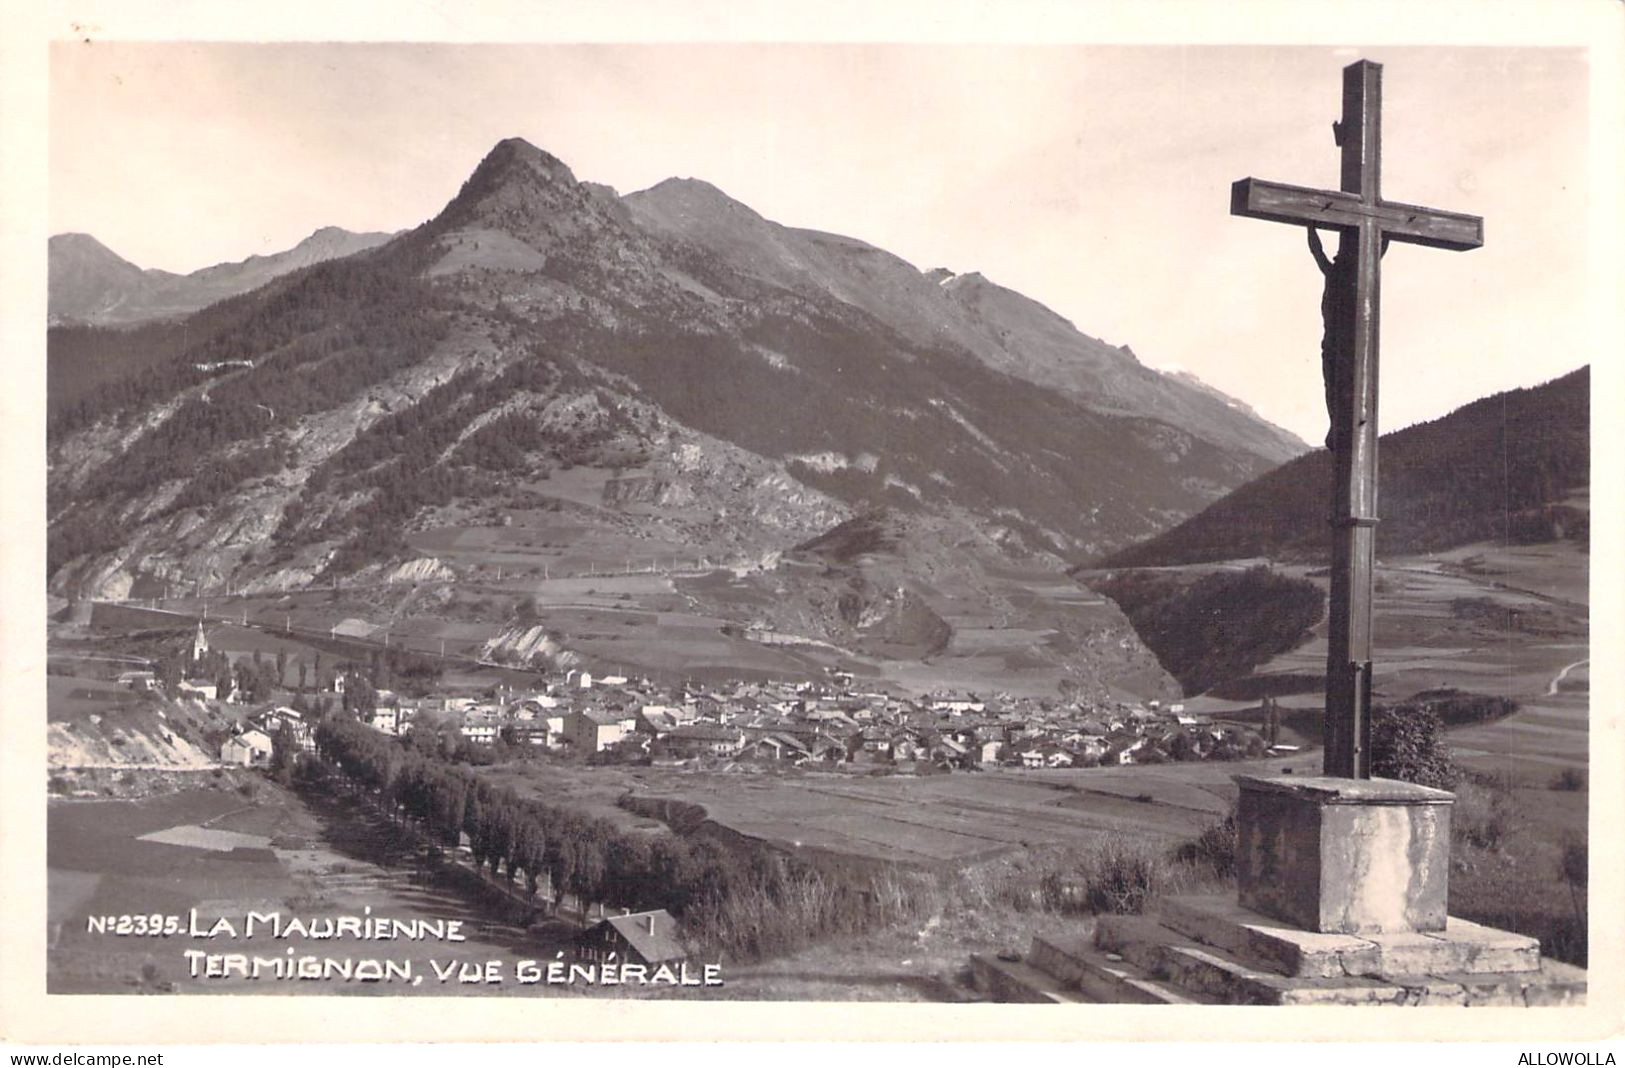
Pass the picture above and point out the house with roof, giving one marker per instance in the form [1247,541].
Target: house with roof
[775,748]
[700,739]
[1086,744]
[949,752]
[199,689]
[273,720]
[480,728]
[1122,746]
[594,730]
[647,938]
[907,746]
[138,680]
[532,708]
[1033,754]
[827,749]
[534,733]
[655,720]
[251,748]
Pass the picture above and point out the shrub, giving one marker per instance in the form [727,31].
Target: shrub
[1457,708]
[1569,780]
[1215,847]
[1407,743]
[1119,876]
[1484,814]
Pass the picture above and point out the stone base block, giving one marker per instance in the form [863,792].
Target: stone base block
[1462,947]
[1344,856]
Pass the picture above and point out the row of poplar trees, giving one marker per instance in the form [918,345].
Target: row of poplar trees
[563,850]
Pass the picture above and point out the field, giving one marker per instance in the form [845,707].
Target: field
[928,822]
[214,848]
[1506,621]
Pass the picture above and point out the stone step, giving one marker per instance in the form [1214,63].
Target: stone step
[1462,947]
[1139,940]
[1019,982]
[1102,976]
[1229,982]
[1553,983]
[1208,973]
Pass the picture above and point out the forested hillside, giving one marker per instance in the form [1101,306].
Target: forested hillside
[1502,468]
[1219,627]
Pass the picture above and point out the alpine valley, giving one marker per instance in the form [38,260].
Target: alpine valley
[555,424]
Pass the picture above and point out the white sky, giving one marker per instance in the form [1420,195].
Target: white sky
[1092,178]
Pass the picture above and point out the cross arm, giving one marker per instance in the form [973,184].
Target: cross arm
[1254,198]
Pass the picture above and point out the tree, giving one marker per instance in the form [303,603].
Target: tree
[284,754]
[359,696]
[1575,869]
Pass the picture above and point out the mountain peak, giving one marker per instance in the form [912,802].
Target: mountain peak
[83,245]
[513,175]
[326,233]
[520,150]
[691,195]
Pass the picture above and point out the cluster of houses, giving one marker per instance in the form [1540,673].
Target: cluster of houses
[254,743]
[818,724]
[829,722]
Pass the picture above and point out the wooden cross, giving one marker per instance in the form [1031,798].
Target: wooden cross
[1365,224]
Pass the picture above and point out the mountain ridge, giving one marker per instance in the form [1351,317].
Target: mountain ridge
[663,373]
[90,284]
[1504,467]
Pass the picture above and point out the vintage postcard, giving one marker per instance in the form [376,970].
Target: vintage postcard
[1045,526]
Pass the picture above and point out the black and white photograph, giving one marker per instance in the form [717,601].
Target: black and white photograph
[1073,522]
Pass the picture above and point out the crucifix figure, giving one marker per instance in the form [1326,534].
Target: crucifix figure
[1365,223]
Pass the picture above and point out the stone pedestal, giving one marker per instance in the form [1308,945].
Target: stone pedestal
[1342,902]
[1344,856]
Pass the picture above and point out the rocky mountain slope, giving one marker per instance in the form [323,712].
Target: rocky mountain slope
[1005,330]
[665,372]
[91,284]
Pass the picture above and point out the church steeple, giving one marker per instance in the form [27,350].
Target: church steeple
[200,644]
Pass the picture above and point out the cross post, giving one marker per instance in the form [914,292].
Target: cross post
[1365,224]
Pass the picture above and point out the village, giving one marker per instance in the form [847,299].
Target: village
[746,725]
